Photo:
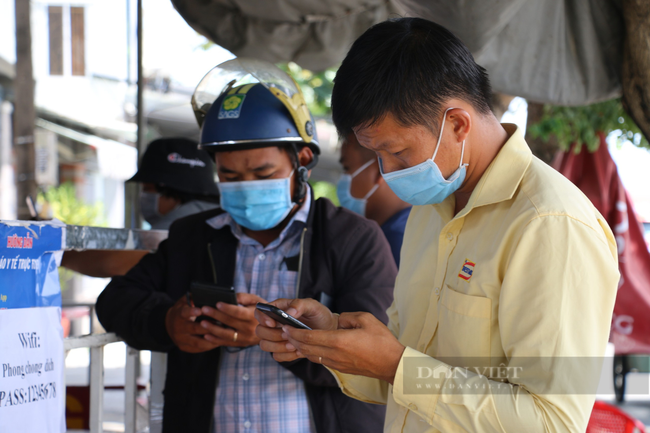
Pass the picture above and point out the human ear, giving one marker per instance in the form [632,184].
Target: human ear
[461,122]
[305,156]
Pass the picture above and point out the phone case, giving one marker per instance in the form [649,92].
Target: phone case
[204,294]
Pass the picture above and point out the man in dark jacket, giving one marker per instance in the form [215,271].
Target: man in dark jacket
[269,240]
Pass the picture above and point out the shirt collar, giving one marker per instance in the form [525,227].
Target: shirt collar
[503,176]
[299,218]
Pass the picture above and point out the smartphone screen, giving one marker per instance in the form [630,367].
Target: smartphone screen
[280,316]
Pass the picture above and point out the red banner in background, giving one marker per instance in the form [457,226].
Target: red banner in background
[596,175]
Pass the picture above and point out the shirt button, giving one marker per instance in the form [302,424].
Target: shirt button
[412,406]
[261,256]
[437,290]
[245,376]
[450,236]
[247,424]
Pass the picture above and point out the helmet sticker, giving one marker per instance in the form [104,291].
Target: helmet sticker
[231,106]
[309,128]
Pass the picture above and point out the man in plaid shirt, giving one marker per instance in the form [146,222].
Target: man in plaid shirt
[269,240]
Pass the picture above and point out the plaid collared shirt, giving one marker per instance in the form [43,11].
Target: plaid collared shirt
[255,393]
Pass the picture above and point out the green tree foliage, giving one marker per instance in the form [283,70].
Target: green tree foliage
[325,189]
[316,87]
[581,125]
[66,207]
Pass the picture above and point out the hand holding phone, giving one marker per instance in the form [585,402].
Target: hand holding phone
[207,295]
[280,316]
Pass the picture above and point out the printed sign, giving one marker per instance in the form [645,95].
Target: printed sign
[32,388]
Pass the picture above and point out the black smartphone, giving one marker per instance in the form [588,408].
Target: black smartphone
[205,294]
[280,316]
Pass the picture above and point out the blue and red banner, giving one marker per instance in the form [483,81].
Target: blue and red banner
[29,258]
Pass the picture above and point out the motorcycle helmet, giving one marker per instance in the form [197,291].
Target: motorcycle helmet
[247,103]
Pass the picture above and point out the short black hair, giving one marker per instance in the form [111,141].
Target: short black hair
[406,67]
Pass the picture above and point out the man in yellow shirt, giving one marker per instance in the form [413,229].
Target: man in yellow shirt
[508,275]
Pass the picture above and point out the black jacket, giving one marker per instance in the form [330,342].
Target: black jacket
[346,262]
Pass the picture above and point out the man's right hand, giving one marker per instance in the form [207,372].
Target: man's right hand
[309,311]
[187,334]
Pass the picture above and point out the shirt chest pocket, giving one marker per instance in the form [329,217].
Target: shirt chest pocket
[287,284]
[275,285]
[464,325]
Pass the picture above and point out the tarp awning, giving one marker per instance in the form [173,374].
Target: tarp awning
[562,52]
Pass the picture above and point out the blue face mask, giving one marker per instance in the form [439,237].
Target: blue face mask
[257,204]
[424,184]
[343,187]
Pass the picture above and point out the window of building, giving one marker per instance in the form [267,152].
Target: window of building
[67,40]
[56,39]
[77,40]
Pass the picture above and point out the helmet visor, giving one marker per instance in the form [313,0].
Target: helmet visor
[242,71]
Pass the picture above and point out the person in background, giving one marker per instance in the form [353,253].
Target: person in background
[362,190]
[177,180]
[271,238]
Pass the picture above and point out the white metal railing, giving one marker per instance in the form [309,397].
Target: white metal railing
[101,238]
[96,343]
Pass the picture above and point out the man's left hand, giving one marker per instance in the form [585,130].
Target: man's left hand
[361,345]
[240,320]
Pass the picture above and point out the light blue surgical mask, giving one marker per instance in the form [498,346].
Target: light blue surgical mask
[257,204]
[423,183]
[344,194]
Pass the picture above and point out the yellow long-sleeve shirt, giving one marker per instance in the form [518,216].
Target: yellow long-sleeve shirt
[523,278]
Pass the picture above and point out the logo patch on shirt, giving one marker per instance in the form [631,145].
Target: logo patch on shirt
[467,270]
[231,106]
